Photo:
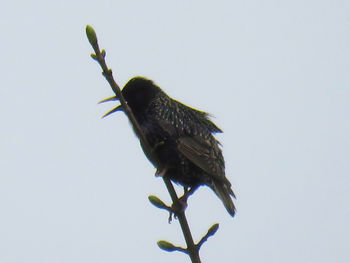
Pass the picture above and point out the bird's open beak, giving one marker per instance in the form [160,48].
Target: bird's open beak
[118,108]
[108,99]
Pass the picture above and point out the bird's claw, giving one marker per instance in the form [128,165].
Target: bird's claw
[177,209]
[171,214]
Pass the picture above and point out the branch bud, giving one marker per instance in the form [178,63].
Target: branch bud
[212,230]
[157,202]
[103,53]
[93,56]
[167,246]
[91,35]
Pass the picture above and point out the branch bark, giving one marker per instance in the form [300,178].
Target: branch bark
[192,250]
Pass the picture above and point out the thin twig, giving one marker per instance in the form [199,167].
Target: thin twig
[99,56]
[212,230]
[192,249]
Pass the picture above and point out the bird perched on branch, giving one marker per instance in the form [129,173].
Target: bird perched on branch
[183,146]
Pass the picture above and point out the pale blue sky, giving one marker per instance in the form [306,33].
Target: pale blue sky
[275,74]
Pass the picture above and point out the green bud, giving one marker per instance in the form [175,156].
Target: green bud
[157,202]
[103,53]
[167,246]
[212,230]
[93,56]
[91,35]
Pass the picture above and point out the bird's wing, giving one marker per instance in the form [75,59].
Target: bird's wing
[204,153]
[207,156]
[192,130]
[179,119]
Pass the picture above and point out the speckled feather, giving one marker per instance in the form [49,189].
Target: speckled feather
[181,137]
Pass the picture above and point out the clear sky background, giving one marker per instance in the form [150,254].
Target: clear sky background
[275,74]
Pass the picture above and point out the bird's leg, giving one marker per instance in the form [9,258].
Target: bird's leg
[158,144]
[187,194]
[185,189]
[161,171]
[182,204]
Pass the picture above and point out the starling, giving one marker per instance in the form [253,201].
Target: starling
[184,148]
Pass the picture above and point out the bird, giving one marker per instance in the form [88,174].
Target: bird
[184,148]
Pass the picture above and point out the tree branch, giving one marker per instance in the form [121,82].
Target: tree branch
[99,56]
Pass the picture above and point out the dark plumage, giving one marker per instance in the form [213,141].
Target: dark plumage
[184,147]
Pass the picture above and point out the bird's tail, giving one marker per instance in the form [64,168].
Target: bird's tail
[224,192]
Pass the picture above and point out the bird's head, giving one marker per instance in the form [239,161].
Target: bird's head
[138,93]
